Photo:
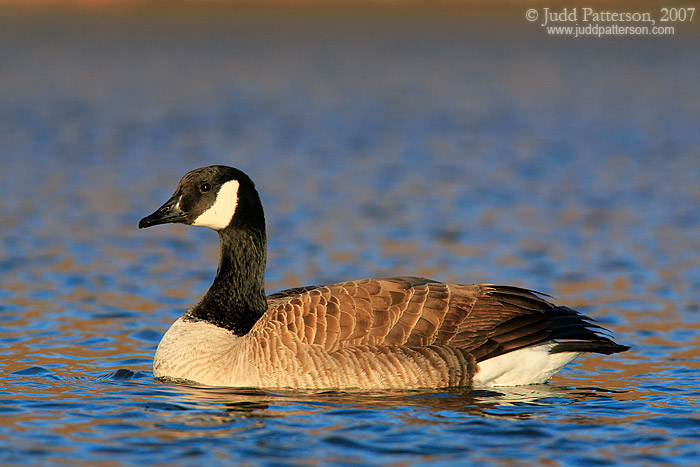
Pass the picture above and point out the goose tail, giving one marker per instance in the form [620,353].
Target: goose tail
[602,347]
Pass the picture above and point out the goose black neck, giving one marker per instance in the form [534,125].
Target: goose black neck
[236,299]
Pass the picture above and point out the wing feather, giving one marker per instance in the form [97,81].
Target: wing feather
[413,312]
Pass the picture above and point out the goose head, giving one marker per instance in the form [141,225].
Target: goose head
[224,199]
[217,197]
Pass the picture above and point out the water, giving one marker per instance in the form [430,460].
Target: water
[463,148]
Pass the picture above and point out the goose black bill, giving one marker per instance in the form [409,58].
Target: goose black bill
[169,213]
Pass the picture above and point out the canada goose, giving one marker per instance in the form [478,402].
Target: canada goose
[400,332]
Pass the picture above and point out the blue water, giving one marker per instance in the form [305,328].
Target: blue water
[452,144]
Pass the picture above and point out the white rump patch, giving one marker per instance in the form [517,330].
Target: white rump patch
[531,365]
[219,215]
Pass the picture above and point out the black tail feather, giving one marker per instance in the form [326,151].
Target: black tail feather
[532,321]
[607,348]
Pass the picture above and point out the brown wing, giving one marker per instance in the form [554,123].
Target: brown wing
[485,320]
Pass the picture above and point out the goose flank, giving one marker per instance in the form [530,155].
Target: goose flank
[399,332]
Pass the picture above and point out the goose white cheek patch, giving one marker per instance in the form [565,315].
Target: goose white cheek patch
[219,215]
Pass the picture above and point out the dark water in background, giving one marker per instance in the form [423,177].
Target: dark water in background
[382,142]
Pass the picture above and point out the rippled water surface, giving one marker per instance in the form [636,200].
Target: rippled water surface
[460,147]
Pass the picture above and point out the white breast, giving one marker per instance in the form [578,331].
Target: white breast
[205,353]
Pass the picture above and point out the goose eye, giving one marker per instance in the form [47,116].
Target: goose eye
[204,187]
